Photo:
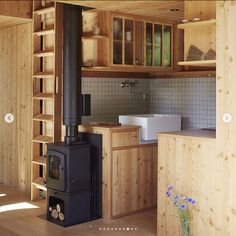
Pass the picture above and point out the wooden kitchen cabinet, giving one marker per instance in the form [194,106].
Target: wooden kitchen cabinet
[141,43]
[133,181]
[128,170]
[118,41]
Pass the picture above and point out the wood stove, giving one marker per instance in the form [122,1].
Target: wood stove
[74,169]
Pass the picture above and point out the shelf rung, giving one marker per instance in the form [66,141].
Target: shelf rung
[40,183]
[44,32]
[40,160]
[43,96]
[45,53]
[44,75]
[45,10]
[43,117]
[43,139]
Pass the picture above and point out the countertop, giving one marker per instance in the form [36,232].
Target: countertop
[110,126]
[192,133]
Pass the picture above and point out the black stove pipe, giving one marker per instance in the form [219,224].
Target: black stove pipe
[72,63]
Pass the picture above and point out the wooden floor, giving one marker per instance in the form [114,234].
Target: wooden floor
[31,222]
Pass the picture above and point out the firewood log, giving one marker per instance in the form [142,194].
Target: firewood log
[61,216]
[54,214]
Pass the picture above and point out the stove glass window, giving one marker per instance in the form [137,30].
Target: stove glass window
[55,167]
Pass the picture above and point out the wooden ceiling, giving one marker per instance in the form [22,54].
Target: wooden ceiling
[160,10]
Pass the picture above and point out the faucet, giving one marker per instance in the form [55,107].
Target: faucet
[130,86]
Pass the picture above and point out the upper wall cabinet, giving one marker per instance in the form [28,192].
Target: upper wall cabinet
[140,43]
[120,41]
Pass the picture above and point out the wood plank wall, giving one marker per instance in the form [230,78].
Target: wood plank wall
[204,169]
[189,164]
[15,97]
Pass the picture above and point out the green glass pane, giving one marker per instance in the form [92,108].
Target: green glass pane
[148,44]
[167,46]
[157,45]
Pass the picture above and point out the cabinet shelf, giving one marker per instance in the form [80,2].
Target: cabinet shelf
[44,32]
[40,160]
[40,183]
[94,37]
[44,75]
[43,96]
[197,23]
[43,139]
[43,117]
[209,63]
[45,10]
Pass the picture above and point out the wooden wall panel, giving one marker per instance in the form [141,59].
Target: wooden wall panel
[190,164]
[15,97]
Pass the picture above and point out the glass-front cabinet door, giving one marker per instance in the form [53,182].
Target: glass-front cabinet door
[123,41]
[158,38]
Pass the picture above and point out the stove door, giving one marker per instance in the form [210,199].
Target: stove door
[55,178]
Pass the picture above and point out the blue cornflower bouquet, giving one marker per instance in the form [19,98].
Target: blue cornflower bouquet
[185,207]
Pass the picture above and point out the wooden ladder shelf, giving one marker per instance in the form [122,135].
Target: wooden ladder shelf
[46,78]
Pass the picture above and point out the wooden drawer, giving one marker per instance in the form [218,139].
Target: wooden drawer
[128,138]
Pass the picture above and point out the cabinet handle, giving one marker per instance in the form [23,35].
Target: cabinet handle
[56,85]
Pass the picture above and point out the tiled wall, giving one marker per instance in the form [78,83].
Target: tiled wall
[109,100]
[193,98]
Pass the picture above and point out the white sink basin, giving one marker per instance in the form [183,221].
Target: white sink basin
[152,123]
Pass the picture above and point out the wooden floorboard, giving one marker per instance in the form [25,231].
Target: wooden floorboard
[31,222]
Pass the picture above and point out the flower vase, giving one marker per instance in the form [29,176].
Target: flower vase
[185,227]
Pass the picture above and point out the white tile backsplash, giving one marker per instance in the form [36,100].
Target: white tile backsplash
[193,98]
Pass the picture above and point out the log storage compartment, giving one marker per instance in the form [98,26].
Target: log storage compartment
[67,209]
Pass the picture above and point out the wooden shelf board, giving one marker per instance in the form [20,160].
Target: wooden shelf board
[45,10]
[45,53]
[44,75]
[209,63]
[40,183]
[40,160]
[43,139]
[43,96]
[43,117]
[44,32]
[197,23]
[94,37]
[182,74]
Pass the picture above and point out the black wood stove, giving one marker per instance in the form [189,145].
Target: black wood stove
[74,169]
